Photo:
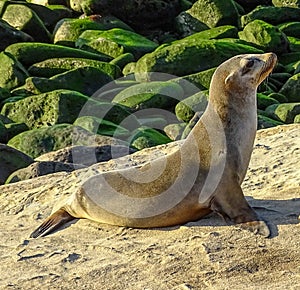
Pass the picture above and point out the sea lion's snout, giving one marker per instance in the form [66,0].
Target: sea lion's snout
[270,60]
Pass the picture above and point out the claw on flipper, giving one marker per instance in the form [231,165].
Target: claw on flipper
[52,223]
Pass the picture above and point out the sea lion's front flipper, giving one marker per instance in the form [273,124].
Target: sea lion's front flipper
[53,222]
[233,206]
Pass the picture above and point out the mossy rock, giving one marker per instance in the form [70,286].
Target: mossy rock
[68,30]
[163,95]
[289,59]
[3,133]
[286,3]
[115,113]
[53,66]
[30,53]
[13,129]
[11,160]
[86,80]
[115,42]
[12,72]
[61,106]
[43,140]
[272,15]
[186,109]
[264,101]
[264,122]
[10,35]
[144,137]
[188,55]
[214,12]
[174,131]
[265,36]
[279,97]
[186,24]
[4,93]
[129,68]
[101,127]
[294,44]
[297,119]
[191,84]
[122,60]
[220,32]
[290,29]
[291,89]
[284,112]
[27,20]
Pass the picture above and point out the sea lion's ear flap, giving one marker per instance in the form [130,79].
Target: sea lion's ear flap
[229,78]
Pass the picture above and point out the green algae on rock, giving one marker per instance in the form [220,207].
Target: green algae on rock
[290,28]
[61,106]
[291,89]
[188,55]
[145,137]
[214,12]
[186,109]
[10,35]
[43,140]
[68,30]
[25,19]
[86,80]
[101,126]
[12,72]
[265,36]
[149,95]
[30,53]
[285,113]
[53,66]
[272,15]
[115,42]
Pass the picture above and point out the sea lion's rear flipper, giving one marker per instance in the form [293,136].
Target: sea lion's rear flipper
[52,223]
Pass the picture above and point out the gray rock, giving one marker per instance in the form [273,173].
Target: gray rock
[86,155]
[37,169]
[11,160]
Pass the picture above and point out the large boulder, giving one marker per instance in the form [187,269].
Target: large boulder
[12,72]
[272,15]
[30,53]
[188,55]
[86,80]
[61,106]
[40,141]
[291,89]
[115,42]
[214,12]
[290,28]
[265,36]
[53,66]
[286,3]
[163,95]
[68,30]
[285,113]
[25,19]
[140,15]
[10,35]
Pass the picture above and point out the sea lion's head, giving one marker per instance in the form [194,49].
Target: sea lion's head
[243,73]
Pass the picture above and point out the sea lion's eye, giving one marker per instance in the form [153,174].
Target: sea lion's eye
[249,63]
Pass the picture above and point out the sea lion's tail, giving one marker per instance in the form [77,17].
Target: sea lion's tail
[52,223]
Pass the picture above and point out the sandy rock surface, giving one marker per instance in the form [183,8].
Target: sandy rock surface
[207,254]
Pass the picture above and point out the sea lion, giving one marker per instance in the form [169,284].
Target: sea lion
[203,175]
